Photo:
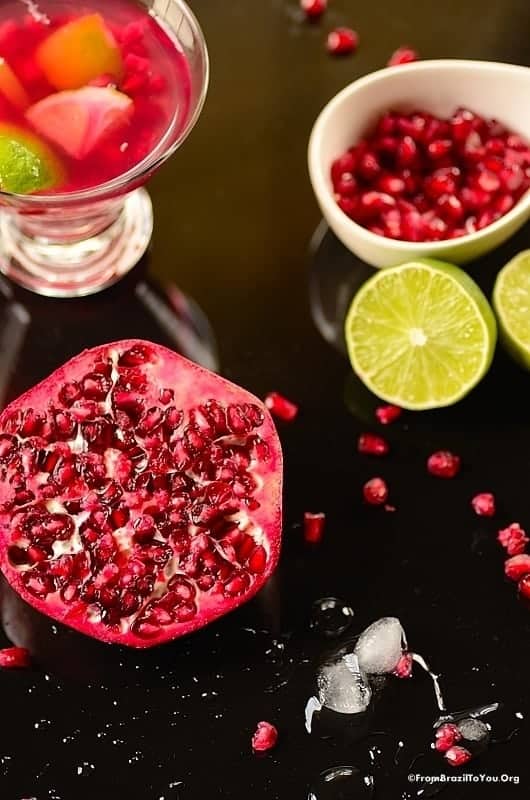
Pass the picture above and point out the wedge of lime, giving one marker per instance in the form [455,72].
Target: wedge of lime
[420,335]
[26,164]
[511,300]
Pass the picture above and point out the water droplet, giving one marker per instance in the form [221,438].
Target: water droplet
[342,783]
[423,792]
[331,616]
[85,768]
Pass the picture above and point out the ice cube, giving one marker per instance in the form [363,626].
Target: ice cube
[380,646]
[343,686]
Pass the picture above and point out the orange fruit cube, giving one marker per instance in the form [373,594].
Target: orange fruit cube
[78,52]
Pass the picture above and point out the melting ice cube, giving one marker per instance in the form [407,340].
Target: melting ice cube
[380,646]
[343,686]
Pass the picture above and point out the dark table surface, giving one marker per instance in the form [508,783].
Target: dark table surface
[234,219]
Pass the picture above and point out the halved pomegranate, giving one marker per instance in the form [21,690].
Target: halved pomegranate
[140,495]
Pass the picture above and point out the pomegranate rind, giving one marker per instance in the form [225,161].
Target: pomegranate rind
[78,52]
[192,385]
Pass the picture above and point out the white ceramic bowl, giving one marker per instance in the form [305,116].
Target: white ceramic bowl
[501,91]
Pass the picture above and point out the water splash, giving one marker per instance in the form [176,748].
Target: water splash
[435,680]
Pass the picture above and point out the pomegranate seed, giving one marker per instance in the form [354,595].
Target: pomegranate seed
[484,504]
[443,464]
[14,658]
[265,737]
[488,181]
[517,567]
[412,125]
[478,176]
[370,444]
[450,207]
[313,9]
[407,152]
[524,586]
[344,164]
[347,185]
[457,756]
[258,560]
[387,144]
[369,166]
[503,203]
[375,492]
[314,527]
[391,184]
[513,539]
[439,148]
[439,184]
[511,179]
[375,202]
[342,41]
[403,55]
[388,414]
[404,666]
[386,124]
[475,199]
[446,736]
[280,407]
[348,205]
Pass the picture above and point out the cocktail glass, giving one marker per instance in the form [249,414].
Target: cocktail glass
[75,244]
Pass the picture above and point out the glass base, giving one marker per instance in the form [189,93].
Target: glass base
[81,267]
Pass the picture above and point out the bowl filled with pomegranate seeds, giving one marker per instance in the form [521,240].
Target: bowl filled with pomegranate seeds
[431,159]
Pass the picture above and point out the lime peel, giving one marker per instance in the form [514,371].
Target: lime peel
[511,301]
[27,165]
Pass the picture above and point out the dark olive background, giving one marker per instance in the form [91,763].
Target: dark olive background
[234,219]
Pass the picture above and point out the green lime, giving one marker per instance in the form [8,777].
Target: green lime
[511,300]
[420,335]
[26,165]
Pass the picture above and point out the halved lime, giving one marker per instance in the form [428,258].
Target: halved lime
[420,335]
[26,164]
[511,300]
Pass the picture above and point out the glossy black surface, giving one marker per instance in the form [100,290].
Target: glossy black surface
[234,218]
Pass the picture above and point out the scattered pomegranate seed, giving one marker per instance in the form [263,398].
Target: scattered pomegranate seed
[388,414]
[313,9]
[15,658]
[443,464]
[265,737]
[517,567]
[446,736]
[404,666]
[372,445]
[342,41]
[457,756]
[281,407]
[375,492]
[513,539]
[524,586]
[314,527]
[484,504]
[403,55]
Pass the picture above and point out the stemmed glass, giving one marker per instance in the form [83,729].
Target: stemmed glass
[74,244]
